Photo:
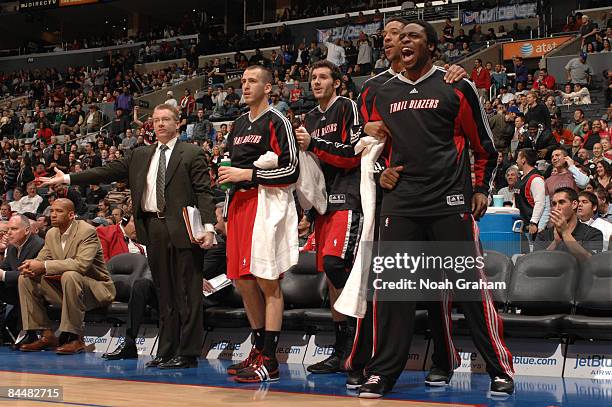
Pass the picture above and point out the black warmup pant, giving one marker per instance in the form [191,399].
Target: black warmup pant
[177,274]
[394,320]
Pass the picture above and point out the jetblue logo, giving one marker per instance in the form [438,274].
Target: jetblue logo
[455,200]
[593,361]
[224,345]
[323,350]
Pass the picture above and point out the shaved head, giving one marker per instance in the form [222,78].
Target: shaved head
[65,203]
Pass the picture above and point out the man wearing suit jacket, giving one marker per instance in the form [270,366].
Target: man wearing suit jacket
[69,272]
[22,245]
[164,178]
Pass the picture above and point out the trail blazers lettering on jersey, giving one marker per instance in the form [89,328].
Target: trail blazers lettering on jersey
[268,132]
[334,134]
[434,187]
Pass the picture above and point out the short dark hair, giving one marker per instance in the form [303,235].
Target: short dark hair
[530,155]
[590,196]
[335,71]
[266,73]
[430,32]
[400,20]
[571,193]
[603,194]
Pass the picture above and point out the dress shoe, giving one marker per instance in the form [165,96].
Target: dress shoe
[72,347]
[28,338]
[47,341]
[179,362]
[157,361]
[123,351]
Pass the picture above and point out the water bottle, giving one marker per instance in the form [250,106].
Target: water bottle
[225,162]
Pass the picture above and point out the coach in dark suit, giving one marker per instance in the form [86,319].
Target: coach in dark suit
[164,178]
[23,245]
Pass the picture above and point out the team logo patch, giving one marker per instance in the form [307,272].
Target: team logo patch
[455,200]
[337,199]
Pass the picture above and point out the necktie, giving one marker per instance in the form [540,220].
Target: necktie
[161,179]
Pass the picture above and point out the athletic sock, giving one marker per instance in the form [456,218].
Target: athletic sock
[270,343]
[258,338]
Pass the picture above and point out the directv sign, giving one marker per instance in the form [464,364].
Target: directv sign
[37,5]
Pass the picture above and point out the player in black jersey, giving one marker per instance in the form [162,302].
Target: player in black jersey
[430,197]
[366,332]
[263,129]
[330,131]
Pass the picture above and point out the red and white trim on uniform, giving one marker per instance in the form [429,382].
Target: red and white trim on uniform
[493,321]
[454,361]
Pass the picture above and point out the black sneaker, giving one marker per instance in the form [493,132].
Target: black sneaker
[355,379]
[329,365]
[234,369]
[263,369]
[375,387]
[438,377]
[502,386]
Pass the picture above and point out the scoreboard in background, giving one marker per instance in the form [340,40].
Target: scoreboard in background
[34,5]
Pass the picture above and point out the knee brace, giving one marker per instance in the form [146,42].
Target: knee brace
[335,270]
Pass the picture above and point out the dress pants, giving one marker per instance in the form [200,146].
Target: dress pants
[143,294]
[74,293]
[177,274]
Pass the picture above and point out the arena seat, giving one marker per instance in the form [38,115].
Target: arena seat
[541,293]
[125,269]
[593,318]
[304,290]
[498,268]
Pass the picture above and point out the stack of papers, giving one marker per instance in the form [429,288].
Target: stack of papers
[218,283]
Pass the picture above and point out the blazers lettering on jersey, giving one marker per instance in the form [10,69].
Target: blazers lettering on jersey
[333,142]
[251,138]
[444,117]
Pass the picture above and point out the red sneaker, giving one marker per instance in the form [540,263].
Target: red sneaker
[237,367]
[265,369]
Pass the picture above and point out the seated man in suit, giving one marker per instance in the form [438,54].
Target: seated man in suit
[119,239]
[69,271]
[22,245]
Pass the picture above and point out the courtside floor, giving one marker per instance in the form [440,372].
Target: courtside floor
[88,380]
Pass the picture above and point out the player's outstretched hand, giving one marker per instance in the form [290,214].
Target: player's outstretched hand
[390,176]
[57,179]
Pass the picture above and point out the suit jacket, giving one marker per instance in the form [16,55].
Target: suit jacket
[187,184]
[83,254]
[30,250]
[112,240]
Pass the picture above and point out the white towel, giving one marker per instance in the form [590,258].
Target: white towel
[310,186]
[353,300]
[275,246]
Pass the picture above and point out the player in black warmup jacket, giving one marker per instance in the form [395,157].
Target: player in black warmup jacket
[429,196]
[330,131]
[365,331]
[255,133]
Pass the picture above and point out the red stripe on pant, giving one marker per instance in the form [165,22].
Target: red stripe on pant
[494,323]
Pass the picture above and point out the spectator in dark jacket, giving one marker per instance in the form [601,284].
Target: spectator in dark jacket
[537,111]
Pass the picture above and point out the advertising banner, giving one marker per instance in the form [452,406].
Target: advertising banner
[501,13]
[347,32]
[532,48]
